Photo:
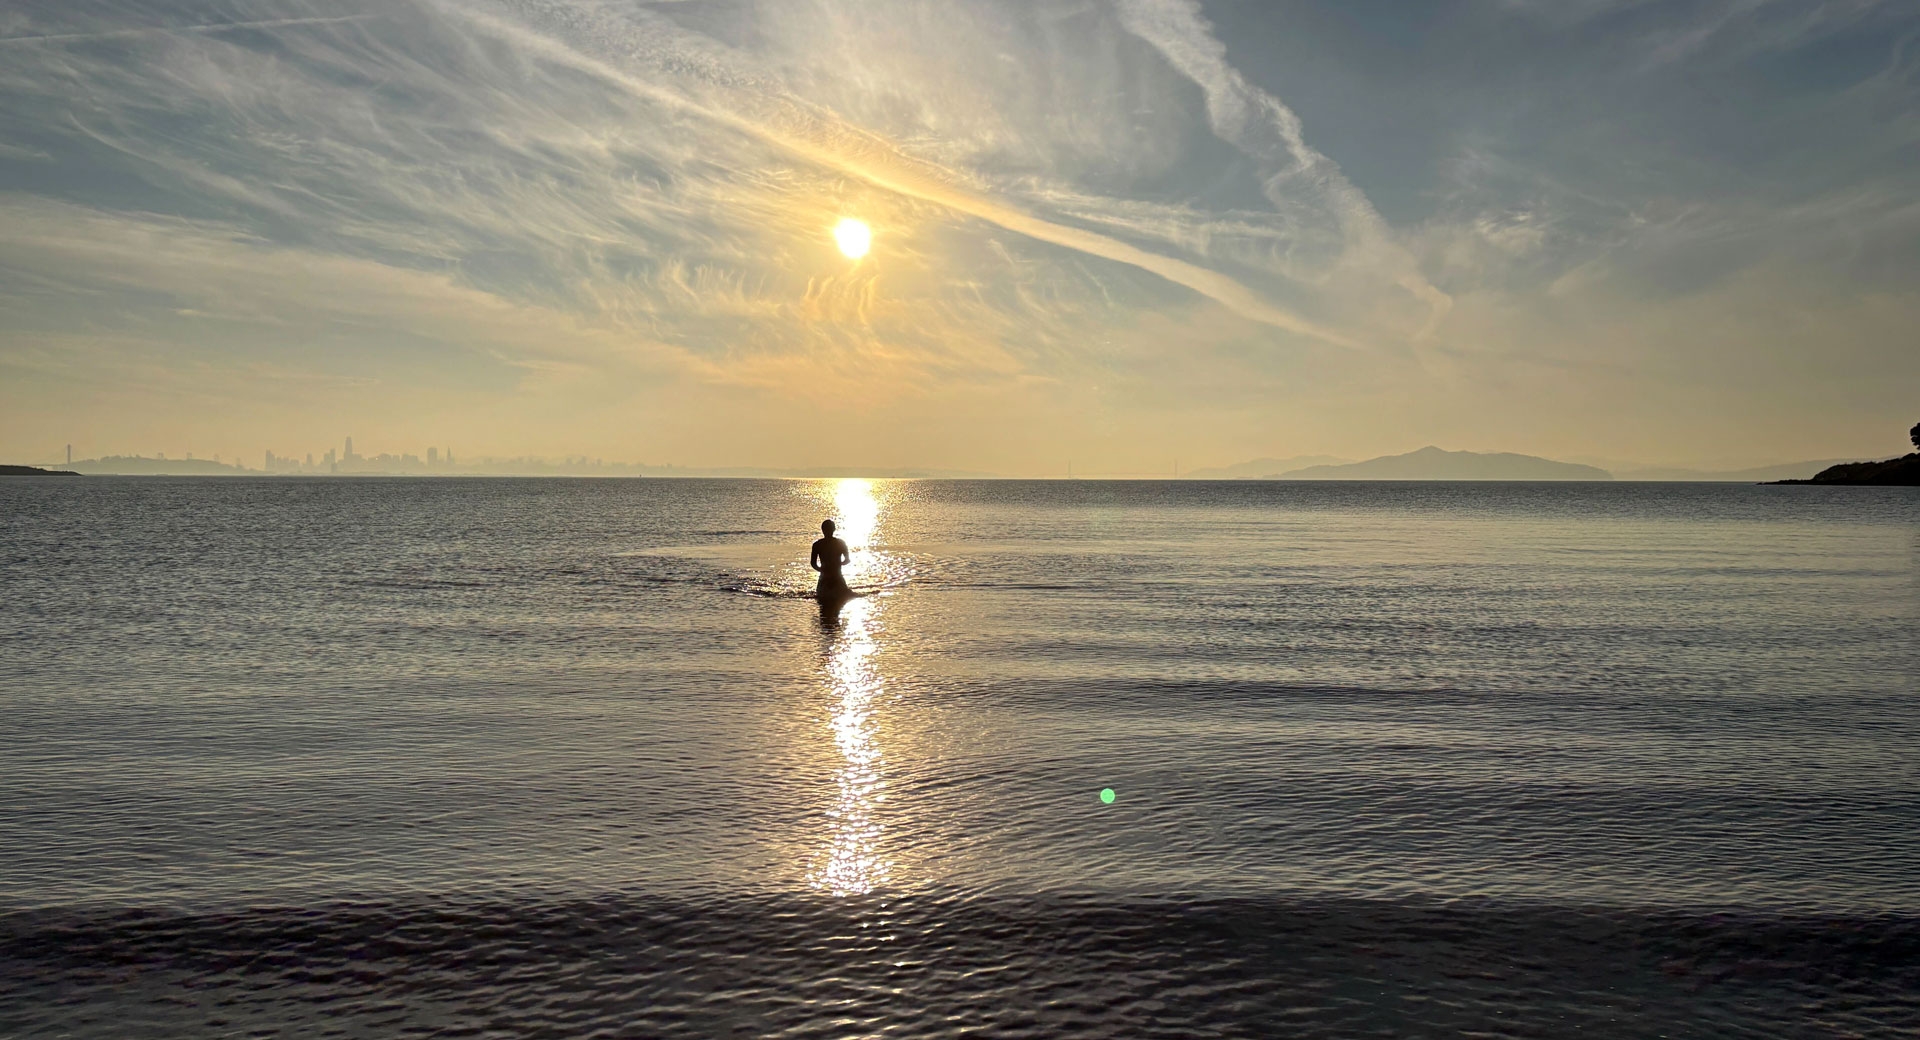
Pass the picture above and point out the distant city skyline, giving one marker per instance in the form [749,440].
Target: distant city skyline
[348,461]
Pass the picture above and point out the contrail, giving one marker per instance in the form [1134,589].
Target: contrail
[864,155]
[110,34]
[1264,128]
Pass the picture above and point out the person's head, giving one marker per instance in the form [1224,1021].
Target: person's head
[826,528]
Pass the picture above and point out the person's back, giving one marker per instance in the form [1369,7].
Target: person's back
[830,554]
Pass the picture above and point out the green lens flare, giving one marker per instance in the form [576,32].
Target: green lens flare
[1106,795]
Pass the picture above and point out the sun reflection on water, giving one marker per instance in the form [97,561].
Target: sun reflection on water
[858,509]
[853,863]
[857,512]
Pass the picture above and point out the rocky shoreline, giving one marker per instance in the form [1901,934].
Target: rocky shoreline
[34,471]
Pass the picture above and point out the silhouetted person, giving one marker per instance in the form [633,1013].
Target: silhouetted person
[829,555]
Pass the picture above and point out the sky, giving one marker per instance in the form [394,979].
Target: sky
[1126,233]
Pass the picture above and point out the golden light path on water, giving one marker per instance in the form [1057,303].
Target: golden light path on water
[853,862]
[857,512]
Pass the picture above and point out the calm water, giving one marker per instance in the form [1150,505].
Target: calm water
[578,758]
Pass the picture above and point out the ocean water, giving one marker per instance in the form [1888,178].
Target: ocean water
[558,758]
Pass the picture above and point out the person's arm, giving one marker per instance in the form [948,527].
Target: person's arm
[813,559]
[846,554]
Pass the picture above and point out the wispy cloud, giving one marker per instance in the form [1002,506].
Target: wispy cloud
[121,34]
[1090,216]
[815,136]
[1295,175]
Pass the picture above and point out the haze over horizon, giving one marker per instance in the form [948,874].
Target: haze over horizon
[1118,233]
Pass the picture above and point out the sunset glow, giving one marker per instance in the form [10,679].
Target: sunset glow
[671,518]
[1014,233]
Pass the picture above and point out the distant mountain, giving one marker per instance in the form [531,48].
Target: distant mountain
[116,465]
[1780,471]
[1432,463]
[1260,468]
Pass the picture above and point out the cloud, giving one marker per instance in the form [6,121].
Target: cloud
[815,136]
[143,269]
[1295,175]
[114,34]
[1090,213]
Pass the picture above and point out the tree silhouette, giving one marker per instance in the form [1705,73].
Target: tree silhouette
[1915,434]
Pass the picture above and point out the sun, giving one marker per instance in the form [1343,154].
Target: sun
[854,237]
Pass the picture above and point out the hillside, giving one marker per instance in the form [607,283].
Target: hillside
[1432,463]
[1901,472]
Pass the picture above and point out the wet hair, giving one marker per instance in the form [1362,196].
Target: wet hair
[826,527]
